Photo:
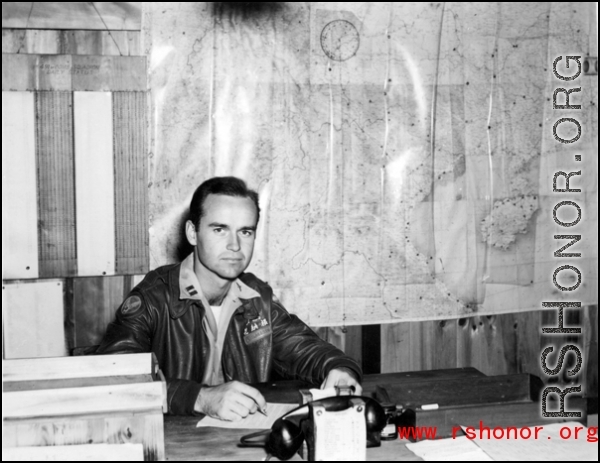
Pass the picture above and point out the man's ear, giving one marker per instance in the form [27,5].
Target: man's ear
[190,232]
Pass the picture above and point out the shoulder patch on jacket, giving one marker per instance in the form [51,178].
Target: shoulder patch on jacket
[131,306]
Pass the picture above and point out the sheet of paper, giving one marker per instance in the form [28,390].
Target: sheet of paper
[459,449]
[255,421]
[318,394]
[549,445]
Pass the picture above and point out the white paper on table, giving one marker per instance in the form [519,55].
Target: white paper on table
[548,445]
[459,449]
[254,421]
[318,394]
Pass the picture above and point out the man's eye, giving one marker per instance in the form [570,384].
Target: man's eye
[219,231]
[248,233]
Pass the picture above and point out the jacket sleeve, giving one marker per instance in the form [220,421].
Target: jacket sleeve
[298,351]
[131,333]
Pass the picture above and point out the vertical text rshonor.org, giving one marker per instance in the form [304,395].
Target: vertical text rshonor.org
[565,203]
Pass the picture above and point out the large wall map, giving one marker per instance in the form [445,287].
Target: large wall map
[403,152]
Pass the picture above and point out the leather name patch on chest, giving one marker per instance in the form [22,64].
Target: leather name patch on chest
[256,329]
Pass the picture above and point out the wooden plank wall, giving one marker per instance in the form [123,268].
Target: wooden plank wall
[495,345]
[49,51]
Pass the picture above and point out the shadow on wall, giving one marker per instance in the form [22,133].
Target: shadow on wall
[182,246]
[246,10]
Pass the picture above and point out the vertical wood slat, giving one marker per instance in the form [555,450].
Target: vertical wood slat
[33,319]
[19,187]
[590,343]
[371,349]
[350,341]
[95,301]
[131,192]
[94,183]
[56,198]
[69,315]
[445,339]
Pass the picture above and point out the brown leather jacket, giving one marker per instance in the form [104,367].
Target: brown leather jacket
[172,328]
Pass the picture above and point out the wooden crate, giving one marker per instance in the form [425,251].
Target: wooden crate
[109,399]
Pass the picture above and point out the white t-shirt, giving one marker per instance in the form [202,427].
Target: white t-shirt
[217,310]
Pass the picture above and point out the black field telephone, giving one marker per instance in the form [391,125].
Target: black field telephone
[287,434]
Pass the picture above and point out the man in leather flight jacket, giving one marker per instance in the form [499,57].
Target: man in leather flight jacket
[213,328]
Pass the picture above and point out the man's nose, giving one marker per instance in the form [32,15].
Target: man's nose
[233,243]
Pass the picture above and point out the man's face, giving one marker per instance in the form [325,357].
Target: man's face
[225,236]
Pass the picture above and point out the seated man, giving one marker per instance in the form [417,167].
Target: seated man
[213,328]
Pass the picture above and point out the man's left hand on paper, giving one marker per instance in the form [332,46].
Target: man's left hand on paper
[342,377]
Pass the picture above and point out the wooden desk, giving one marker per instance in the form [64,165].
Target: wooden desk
[185,442]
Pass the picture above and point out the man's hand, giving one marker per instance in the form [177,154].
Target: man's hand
[230,401]
[342,377]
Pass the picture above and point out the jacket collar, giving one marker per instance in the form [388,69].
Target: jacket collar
[190,290]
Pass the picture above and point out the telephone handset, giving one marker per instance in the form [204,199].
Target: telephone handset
[286,436]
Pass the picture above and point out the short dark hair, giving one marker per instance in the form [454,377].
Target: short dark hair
[229,186]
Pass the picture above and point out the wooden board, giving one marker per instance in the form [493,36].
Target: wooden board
[95,302]
[19,192]
[463,391]
[371,381]
[80,367]
[77,401]
[131,184]
[73,73]
[56,201]
[33,319]
[36,72]
[72,15]
[94,183]
[591,351]
[109,73]
[95,452]
[14,386]
[124,428]
[346,339]
[71,42]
